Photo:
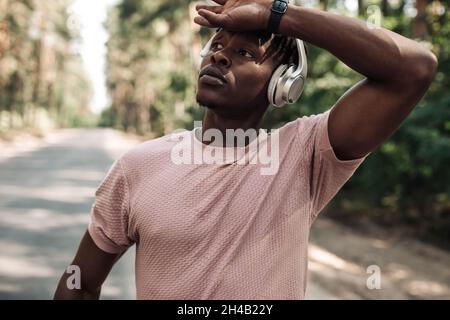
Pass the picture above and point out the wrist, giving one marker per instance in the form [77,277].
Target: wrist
[265,13]
[285,23]
[275,13]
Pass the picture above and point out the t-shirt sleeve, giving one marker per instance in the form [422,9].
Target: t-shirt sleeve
[329,173]
[109,218]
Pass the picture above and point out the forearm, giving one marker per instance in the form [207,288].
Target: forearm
[94,266]
[377,53]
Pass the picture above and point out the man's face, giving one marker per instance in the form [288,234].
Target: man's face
[236,56]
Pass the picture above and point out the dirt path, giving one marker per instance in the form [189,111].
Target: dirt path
[410,269]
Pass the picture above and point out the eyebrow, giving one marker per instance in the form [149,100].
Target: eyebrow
[253,43]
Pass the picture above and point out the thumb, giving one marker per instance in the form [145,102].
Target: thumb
[217,20]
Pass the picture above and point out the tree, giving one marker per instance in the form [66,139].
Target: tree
[35,49]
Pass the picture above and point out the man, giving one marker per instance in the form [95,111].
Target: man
[224,231]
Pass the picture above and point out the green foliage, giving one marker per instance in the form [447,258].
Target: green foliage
[406,179]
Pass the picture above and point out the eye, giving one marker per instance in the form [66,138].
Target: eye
[215,44]
[246,53]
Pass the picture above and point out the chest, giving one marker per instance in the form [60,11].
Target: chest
[190,205]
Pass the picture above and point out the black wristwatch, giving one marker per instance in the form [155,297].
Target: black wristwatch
[279,7]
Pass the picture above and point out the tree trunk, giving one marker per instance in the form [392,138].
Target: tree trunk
[419,25]
[3,27]
[385,7]
[40,45]
[361,8]
[3,45]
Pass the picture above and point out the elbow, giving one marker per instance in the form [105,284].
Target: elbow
[424,70]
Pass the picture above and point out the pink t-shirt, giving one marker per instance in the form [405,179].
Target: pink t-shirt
[221,230]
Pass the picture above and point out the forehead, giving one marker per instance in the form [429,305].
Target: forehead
[252,37]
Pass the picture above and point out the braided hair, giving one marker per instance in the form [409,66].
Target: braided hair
[281,47]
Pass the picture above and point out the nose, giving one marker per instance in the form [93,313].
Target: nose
[221,58]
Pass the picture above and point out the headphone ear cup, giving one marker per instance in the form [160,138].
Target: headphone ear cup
[292,82]
[296,89]
[273,88]
[281,95]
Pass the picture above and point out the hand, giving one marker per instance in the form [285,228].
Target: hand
[235,15]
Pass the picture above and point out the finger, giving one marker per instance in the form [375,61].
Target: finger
[217,20]
[215,9]
[202,21]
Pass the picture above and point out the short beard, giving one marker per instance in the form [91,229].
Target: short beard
[210,105]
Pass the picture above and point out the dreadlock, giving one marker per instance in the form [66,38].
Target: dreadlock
[281,47]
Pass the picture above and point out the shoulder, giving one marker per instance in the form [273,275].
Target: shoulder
[151,153]
[306,126]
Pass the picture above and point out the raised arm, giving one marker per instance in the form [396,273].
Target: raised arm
[398,70]
[95,265]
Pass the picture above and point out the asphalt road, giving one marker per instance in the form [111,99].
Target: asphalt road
[46,194]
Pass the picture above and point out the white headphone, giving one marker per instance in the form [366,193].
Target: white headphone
[287,82]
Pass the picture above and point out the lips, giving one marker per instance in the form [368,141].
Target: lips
[212,75]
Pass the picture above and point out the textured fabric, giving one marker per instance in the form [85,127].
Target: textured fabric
[219,231]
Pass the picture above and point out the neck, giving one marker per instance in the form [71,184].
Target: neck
[213,120]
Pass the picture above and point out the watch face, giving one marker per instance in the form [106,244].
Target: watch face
[279,6]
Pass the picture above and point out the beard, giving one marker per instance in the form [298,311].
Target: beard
[207,103]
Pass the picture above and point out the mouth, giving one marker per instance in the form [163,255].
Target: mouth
[211,80]
[212,76]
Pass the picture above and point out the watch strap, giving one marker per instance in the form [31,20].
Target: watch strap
[277,10]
